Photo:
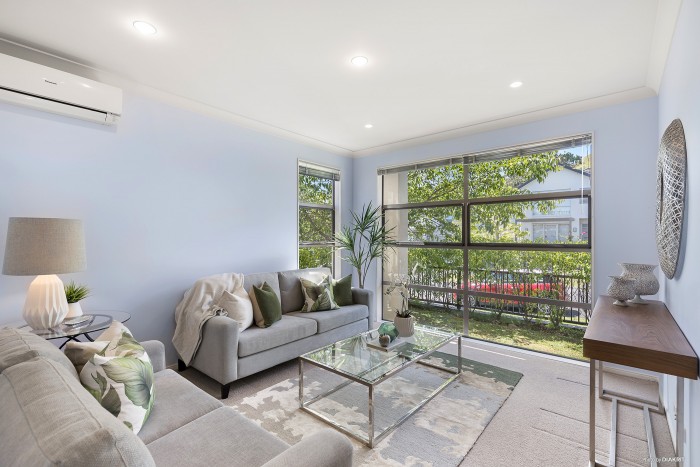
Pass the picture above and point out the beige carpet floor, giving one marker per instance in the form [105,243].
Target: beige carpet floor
[543,423]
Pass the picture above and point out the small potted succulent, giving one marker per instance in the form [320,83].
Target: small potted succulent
[75,293]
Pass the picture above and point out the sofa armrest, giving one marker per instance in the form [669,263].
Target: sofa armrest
[217,356]
[365,297]
[156,352]
[325,448]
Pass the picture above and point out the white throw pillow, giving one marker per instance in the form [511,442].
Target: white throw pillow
[120,377]
[238,306]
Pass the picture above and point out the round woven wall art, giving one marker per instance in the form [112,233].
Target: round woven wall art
[670,196]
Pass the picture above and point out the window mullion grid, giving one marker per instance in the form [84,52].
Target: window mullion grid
[321,207]
[465,251]
[326,207]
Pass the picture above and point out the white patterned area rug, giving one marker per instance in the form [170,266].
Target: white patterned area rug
[439,434]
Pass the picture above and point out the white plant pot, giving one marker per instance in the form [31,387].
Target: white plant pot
[74,310]
[404,326]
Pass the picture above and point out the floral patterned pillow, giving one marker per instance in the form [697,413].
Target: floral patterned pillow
[318,297]
[120,377]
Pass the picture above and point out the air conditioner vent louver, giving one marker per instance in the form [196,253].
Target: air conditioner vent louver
[43,88]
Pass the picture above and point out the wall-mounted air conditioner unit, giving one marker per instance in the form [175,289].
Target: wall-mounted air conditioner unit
[29,84]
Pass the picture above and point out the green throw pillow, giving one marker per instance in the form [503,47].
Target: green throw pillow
[268,303]
[342,291]
[318,297]
[120,377]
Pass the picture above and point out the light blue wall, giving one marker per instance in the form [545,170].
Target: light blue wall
[679,97]
[167,196]
[624,175]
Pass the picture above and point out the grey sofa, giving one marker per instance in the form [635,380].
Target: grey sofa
[227,354]
[49,419]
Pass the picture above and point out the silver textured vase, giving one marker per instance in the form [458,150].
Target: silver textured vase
[621,289]
[645,281]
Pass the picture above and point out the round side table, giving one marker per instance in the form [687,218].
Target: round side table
[99,321]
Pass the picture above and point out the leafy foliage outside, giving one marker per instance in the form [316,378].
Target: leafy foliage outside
[316,224]
[487,179]
[493,223]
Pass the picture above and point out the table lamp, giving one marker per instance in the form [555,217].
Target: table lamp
[44,247]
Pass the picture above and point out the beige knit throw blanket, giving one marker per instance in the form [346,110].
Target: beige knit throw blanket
[196,308]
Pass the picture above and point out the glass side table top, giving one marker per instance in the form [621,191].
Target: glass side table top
[354,358]
[100,321]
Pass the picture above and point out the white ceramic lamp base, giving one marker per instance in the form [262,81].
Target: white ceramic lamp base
[46,305]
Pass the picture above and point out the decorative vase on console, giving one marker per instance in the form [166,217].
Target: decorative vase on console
[645,281]
[621,289]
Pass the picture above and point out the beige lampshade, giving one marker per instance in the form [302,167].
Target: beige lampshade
[38,246]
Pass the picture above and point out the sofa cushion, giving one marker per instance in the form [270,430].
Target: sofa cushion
[20,345]
[266,305]
[79,352]
[342,290]
[178,403]
[288,329]
[221,437]
[291,295]
[318,296]
[335,318]
[49,419]
[238,306]
[249,280]
[120,377]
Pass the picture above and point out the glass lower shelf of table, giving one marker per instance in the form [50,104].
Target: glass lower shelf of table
[355,361]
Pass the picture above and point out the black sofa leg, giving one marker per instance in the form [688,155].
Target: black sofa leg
[224,390]
[181,365]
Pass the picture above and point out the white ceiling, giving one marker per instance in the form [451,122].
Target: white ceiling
[434,67]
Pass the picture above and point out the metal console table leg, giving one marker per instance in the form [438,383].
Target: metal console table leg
[616,398]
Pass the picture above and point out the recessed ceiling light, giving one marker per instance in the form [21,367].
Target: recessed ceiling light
[359,61]
[516,84]
[147,29]
[368,125]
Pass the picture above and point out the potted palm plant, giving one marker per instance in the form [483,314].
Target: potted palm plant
[75,293]
[366,239]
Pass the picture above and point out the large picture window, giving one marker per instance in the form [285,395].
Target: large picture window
[317,207]
[497,244]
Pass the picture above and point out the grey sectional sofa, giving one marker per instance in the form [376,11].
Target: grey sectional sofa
[49,419]
[225,354]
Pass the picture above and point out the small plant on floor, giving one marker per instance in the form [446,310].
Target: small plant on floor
[75,292]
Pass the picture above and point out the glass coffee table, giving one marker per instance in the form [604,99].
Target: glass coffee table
[97,321]
[359,362]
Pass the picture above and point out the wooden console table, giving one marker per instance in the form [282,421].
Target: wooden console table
[640,336]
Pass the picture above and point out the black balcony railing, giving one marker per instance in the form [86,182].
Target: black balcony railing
[541,289]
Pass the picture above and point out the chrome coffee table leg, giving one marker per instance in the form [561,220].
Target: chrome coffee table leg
[301,383]
[370,433]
